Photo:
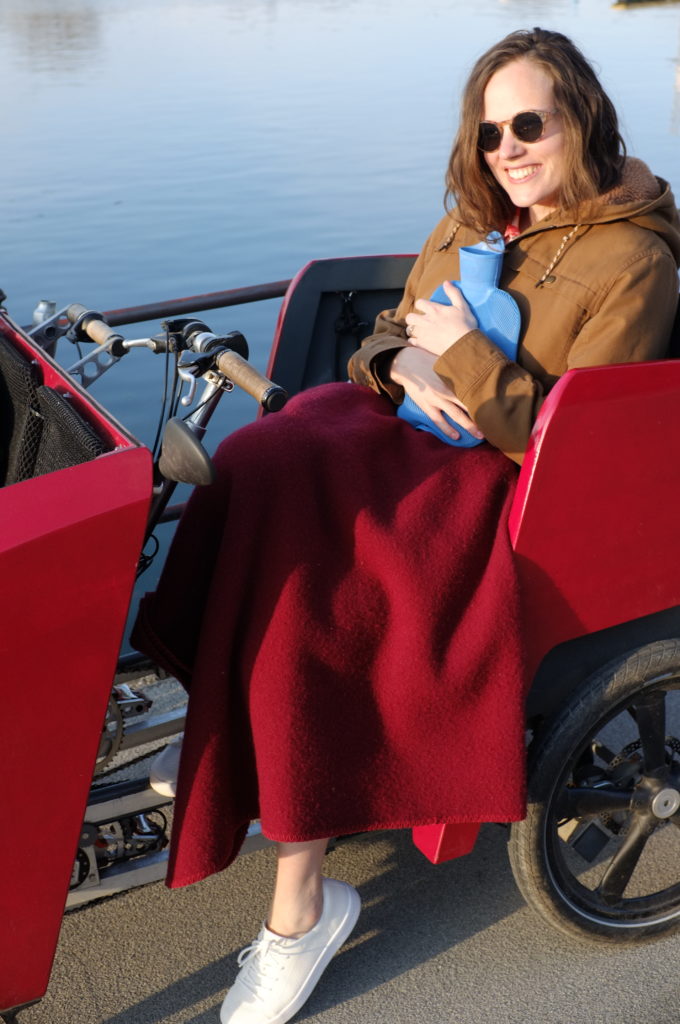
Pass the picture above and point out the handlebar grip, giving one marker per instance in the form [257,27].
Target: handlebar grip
[269,395]
[75,311]
[92,325]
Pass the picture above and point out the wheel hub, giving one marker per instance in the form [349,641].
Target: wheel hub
[665,803]
[657,796]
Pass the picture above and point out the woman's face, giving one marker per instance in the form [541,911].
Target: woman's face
[530,172]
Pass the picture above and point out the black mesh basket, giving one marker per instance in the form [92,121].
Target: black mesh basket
[20,419]
[66,439]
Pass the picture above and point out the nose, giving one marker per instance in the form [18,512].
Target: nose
[510,146]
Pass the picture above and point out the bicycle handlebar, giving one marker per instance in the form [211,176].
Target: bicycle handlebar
[94,326]
[270,396]
[197,338]
[179,462]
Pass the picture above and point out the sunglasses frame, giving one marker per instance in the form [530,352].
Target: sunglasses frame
[501,125]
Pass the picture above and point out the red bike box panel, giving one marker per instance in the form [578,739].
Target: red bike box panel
[69,544]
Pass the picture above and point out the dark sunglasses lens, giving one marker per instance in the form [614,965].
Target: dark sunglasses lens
[527,127]
[489,137]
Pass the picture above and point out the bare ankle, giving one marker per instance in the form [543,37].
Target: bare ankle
[293,918]
[298,892]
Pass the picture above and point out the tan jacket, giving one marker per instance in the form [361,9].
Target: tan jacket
[599,291]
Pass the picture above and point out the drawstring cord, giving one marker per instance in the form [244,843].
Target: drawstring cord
[449,238]
[556,257]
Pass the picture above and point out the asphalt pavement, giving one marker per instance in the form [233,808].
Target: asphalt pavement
[447,944]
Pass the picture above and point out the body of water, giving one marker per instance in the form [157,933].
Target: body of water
[171,147]
[165,148]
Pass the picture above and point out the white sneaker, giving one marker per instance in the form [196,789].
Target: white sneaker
[165,768]
[278,974]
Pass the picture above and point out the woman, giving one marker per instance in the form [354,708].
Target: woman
[592,269]
[593,242]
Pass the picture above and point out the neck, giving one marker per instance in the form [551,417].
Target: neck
[535,213]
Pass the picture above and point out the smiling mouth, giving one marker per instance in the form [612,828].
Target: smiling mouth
[522,173]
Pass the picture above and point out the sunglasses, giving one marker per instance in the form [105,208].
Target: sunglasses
[527,126]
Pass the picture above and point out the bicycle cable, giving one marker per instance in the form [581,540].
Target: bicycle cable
[146,559]
[164,403]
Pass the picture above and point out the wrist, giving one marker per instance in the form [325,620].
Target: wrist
[391,366]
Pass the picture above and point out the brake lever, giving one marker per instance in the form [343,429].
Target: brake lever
[189,379]
[190,371]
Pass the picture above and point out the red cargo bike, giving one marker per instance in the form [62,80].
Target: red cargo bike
[595,535]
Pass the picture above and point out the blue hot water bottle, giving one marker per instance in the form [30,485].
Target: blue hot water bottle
[497,314]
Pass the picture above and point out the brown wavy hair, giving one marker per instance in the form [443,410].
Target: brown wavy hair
[594,149]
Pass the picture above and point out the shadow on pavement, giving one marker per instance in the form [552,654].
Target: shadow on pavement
[412,911]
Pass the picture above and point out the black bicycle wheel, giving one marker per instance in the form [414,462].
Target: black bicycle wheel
[598,854]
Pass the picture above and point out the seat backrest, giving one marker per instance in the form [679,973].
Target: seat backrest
[595,519]
[328,308]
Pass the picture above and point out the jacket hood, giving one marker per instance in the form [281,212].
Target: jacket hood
[645,200]
[640,198]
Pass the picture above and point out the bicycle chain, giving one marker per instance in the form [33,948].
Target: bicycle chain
[104,775]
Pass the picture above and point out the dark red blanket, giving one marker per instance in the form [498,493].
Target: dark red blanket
[342,605]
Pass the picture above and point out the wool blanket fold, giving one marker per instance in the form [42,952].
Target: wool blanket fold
[343,608]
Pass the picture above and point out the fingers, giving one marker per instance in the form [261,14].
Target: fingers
[446,427]
[453,422]
[435,326]
[454,295]
[427,307]
[412,321]
[444,413]
[460,419]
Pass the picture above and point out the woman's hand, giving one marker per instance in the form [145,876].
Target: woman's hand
[413,369]
[436,327]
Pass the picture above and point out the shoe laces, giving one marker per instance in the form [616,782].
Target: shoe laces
[260,962]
